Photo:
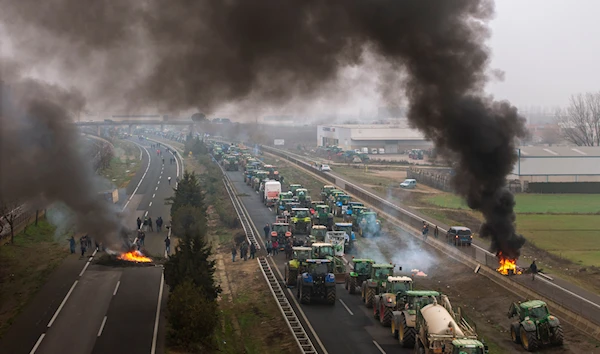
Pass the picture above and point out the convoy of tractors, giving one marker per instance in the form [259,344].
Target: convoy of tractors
[321,231]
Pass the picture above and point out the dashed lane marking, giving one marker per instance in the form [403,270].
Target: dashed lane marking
[346,307]
[379,347]
[149,205]
[116,288]
[102,326]
[37,344]
[62,304]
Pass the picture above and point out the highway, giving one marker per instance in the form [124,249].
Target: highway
[88,308]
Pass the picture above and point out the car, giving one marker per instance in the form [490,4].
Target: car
[325,168]
[409,183]
[459,235]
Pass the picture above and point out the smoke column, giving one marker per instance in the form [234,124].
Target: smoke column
[206,54]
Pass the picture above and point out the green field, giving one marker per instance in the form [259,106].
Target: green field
[533,203]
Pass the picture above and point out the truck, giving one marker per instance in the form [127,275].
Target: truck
[316,281]
[337,239]
[296,265]
[347,228]
[440,330]
[271,192]
[361,271]
[535,327]
[384,303]
[379,273]
[404,314]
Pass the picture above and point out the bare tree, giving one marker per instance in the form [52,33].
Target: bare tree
[9,210]
[580,121]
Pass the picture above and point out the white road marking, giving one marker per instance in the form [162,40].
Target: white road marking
[62,304]
[37,344]
[347,308]
[84,268]
[156,188]
[95,251]
[146,214]
[102,326]
[90,259]
[378,347]
[154,336]
[158,182]
[116,288]
[153,195]
[150,204]
[270,209]
[141,179]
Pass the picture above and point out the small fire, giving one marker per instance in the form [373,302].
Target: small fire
[507,266]
[134,256]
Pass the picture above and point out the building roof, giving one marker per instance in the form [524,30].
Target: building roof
[363,132]
[559,151]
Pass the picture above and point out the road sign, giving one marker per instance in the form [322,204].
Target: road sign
[279,142]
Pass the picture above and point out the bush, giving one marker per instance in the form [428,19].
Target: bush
[193,318]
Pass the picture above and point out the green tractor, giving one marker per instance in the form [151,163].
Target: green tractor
[357,210]
[326,191]
[296,265]
[317,281]
[368,225]
[404,315]
[371,287]
[384,303]
[259,176]
[294,187]
[302,197]
[322,216]
[231,163]
[281,205]
[361,272]
[536,326]
[340,205]
[300,221]
[317,233]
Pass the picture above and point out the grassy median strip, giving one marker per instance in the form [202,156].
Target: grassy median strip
[24,267]
[124,165]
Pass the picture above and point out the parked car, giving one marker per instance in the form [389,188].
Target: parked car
[325,168]
[409,183]
[381,151]
[374,151]
[459,235]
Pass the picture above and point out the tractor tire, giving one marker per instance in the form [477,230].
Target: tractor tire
[394,330]
[331,296]
[369,296]
[529,340]
[556,336]
[406,335]
[385,315]
[304,296]
[352,286]
[514,333]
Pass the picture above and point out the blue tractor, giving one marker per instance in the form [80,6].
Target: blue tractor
[317,281]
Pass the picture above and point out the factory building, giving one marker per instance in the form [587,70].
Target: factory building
[557,164]
[394,138]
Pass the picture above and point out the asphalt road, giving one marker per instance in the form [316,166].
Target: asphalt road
[86,308]
[347,327]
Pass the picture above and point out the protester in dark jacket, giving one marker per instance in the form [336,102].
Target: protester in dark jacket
[252,251]
[534,269]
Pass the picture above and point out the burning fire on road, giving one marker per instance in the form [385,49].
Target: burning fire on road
[134,256]
[508,266]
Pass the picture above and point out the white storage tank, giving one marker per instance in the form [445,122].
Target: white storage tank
[439,321]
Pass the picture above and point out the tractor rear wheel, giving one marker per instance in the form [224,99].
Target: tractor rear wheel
[514,333]
[556,335]
[304,296]
[369,295]
[331,295]
[406,335]
[352,286]
[385,315]
[394,330]
[529,340]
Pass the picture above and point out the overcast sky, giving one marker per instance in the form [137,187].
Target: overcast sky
[548,49]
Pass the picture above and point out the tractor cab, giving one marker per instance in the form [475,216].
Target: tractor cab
[362,266]
[368,224]
[300,213]
[301,221]
[322,250]
[411,299]
[468,346]
[286,195]
[273,173]
[280,232]
[381,271]
[355,213]
[302,197]
[291,205]
[347,228]
[396,285]
[317,233]
[294,187]
[320,266]
[326,190]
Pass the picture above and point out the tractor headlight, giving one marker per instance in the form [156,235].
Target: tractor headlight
[307,278]
[330,278]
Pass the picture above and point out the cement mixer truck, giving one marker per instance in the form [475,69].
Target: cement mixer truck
[440,330]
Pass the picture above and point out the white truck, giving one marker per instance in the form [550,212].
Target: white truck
[271,192]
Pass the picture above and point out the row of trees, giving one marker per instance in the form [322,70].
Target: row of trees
[580,121]
[192,306]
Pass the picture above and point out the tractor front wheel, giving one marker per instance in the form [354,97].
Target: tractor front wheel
[529,340]
[352,286]
[514,333]
[385,315]
[369,296]
[331,295]
[406,335]
[556,336]
[304,296]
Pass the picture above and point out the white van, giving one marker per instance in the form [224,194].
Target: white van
[381,151]
[409,183]
[365,150]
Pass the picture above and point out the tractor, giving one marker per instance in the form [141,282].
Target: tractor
[350,210]
[231,163]
[313,206]
[317,233]
[259,176]
[368,225]
[355,215]
[325,191]
[249,174]
[384,303]
[282,204]
[347,228]
[293,188]
[536,326]
[301,223]
[317,281]
[281,233]
[405,314]
[322,216]
[296,265]
[302,197]
[340,205]
[326,250]
[273,173]
[361,272]
[371,286]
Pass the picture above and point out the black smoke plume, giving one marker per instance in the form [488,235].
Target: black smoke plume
[208,53]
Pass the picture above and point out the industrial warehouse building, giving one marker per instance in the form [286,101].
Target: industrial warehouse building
[557,164]
[394,138]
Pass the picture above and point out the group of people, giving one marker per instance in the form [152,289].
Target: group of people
[147,224]
[85,243]
[425,231]
[244,248]
[154,146]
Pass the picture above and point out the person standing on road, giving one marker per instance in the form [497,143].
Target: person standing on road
[168,245]
[436,232]
[244,251]
[425,230]
[233,253]
[142,238]
[163,161]
[159,224]
[169,180]
[145,224]
[267,229]
[82,245]
[150,224]
[139,223]
[533,268]
[275,248]
[72,244]
[252,250]
[269,248]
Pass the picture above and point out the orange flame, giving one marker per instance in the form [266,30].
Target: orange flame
[134,256]
[507,265]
